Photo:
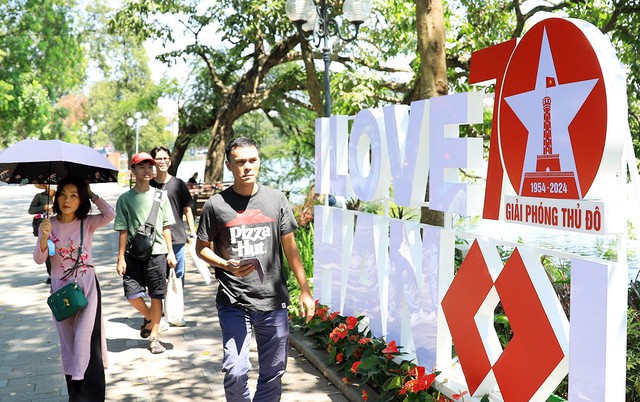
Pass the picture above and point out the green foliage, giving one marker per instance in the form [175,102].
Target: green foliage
[304,241]
[41,59]
[633,342]
[399,212]
[126,88]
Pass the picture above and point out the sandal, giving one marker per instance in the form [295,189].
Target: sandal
[144,331]
[155,346]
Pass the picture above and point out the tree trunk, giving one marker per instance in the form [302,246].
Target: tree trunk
[179,149]
[432,76]
[220,133]
[313,84]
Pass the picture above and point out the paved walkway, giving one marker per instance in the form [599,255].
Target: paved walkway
[189,370]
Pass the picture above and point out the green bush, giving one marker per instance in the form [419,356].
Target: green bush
[633,343]
[304,240]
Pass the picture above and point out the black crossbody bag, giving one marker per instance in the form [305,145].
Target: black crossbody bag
[140,244]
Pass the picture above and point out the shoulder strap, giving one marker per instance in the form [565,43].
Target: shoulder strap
[74,270]
[153,215]
[75,267]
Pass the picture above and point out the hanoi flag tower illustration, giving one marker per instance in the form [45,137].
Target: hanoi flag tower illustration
[549,179]
[549,117]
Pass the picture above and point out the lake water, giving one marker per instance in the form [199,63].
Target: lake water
[186,169]
[564,241]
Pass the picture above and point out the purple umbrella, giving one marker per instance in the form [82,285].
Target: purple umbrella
[48,162]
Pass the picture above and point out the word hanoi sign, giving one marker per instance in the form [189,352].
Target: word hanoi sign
[559,134]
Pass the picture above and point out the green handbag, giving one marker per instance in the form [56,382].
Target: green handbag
[69,299]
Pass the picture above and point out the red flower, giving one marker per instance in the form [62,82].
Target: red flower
[413,386]
[321,311]
[354,367]
[339,332]
[417,371]
[390,350]
[429,379]
[458,396]
[340,357]
[364,341]
[334,315]
[364,395]
[351,322]
[420,383]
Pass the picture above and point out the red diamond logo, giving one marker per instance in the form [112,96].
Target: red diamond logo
[534,361]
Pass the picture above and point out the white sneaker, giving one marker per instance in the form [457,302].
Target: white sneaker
[164,325]
[180,323]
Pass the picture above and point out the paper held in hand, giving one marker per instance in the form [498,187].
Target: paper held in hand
[256,265]
[203,267]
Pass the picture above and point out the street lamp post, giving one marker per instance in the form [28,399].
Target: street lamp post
[313,18]
[91,129]
[137,123]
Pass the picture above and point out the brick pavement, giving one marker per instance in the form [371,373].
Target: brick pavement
[190,369]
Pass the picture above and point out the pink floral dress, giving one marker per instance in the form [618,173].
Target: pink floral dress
[75,332]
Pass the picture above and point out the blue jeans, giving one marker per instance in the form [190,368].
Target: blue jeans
[272,337]
[178,250]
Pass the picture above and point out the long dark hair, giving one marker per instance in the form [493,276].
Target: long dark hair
[83,193]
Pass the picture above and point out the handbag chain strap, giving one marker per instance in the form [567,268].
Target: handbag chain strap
[74,270]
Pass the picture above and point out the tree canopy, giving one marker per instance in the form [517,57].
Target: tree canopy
[41,60]
[247,56]
[247,59]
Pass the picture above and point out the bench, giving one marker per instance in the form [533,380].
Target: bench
[201,193]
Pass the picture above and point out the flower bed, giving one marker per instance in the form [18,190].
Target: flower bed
[363,359]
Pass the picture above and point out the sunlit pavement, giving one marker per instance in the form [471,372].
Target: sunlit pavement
[189,370]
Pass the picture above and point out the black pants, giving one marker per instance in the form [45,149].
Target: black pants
[92,388]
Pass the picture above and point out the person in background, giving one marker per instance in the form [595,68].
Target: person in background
[83,346]
[181,201]
[252,220]
[41,207]
[132,210]
[193,180]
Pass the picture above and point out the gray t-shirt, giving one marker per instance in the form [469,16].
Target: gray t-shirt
[242,226]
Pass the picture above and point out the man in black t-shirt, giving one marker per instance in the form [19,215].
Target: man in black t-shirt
[181,202]
[242,233]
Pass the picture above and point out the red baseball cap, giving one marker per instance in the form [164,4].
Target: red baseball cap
[142,157]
